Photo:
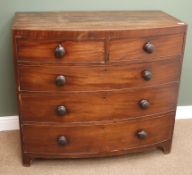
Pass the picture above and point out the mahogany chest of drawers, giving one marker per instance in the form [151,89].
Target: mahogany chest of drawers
[93,84]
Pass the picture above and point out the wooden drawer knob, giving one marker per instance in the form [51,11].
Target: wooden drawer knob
[62,140]
[149,47]
[61,110]
[147,75]
[144,104]
[59,51]
[60,80]
[142,134]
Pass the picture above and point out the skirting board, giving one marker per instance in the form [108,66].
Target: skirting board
[12,122]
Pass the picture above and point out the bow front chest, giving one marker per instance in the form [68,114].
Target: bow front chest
[93,84]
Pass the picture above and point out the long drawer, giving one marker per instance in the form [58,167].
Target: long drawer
[96,106]
[79,140]
[91,78]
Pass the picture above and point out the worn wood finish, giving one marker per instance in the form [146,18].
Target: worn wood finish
[116,98]
[98,20]
[130,49]
[44,51]
[96,106]
[94,25]
[91,78]
[96,139]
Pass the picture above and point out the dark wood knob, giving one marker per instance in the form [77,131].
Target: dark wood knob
[142,134]
[147,75]
[144,104]
[61,110]
[149,47]
[59,51]
[60,80]
[62,140]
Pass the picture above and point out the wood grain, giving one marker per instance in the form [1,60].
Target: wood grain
[96,106]
[95,25]
[76,52]
[94,20]
[96,139]
[91,78]
[130,49]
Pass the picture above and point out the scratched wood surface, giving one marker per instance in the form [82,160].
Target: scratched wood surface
[95,20]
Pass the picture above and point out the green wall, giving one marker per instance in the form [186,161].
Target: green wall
[178,8]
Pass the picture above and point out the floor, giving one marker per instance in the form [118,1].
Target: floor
[178,162]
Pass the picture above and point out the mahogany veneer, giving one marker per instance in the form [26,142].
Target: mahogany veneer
[100,77]
[93,106]
[93,84]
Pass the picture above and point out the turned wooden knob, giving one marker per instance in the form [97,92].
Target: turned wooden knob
[62,140]
[144,104]
[61,110]
[59,51]
[142,134]
[149,47]
[147,75]
[60,80]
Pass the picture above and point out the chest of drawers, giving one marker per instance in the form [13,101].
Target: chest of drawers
[93,84]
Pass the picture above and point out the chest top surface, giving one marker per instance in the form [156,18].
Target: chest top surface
[93,21]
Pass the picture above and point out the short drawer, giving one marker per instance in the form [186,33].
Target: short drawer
[96,106]
[146,48]
[60,51]
[91,78]
[79,140]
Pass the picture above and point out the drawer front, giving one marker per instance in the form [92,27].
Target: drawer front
[95,106]
[91,78]
[100,138]
[60,51]
[146,48]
